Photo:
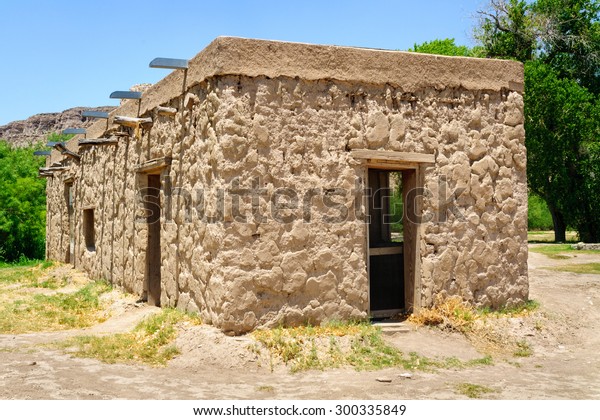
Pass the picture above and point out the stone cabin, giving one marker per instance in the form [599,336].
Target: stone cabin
[283,183]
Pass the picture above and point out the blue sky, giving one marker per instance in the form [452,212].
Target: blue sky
[60,54]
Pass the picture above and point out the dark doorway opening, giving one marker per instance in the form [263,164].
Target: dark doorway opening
[89,233]
[70,257]
[391,242]
[153,254]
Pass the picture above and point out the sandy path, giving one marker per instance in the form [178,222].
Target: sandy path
[565,362]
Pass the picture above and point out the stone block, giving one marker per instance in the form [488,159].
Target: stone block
[378,130]
[486,165]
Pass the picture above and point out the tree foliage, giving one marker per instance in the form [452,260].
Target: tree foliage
[22,204]
[559,42]
[507,30]
[562,142]
[562,33]
[570,39]
[538,215]
[447,47]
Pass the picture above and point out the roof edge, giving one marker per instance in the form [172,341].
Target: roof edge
[410,71]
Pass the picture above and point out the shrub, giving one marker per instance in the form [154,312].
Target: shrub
[538,215]
[22,204]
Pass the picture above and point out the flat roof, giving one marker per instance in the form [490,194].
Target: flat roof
[254,57]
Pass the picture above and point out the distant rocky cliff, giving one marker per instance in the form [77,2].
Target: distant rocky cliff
[37,127]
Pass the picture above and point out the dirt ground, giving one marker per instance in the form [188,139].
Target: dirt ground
[563,334]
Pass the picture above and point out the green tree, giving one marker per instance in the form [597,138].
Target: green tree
[447,47]
[22,204]
[569,36]
[508,30]
[560,114]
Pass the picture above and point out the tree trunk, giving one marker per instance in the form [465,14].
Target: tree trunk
[590,232]
[560,234]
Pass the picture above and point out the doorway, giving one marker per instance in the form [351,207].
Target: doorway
[391,242]
[153,252]
[70,257]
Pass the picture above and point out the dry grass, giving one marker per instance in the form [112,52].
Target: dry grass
[51,297]
[336,345]
[451,313]
[150,342]
[473,390]
[316,347]
[478,325]
[547,236]
[31,300]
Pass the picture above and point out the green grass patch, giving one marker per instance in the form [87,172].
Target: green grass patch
[150,342]
[25,262]
[518,310]
[30,274]
[18,274]
[473,390]
[369,352]
[24,310]
[306,347]
[51,283]
[558,251]
[537,232]
[523,349]
[589,268]
[359,345]
[59,311]
[454,362]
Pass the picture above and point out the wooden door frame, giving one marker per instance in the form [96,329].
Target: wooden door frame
[412,263]
[153,167]
[153,242]
[69,186]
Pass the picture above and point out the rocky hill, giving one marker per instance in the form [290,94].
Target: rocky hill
[37,127]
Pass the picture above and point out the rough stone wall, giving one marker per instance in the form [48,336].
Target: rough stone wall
[108,185]
[104,180]
[57,227]
[480,252]
[290,137]
[295,134]
[283,269]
